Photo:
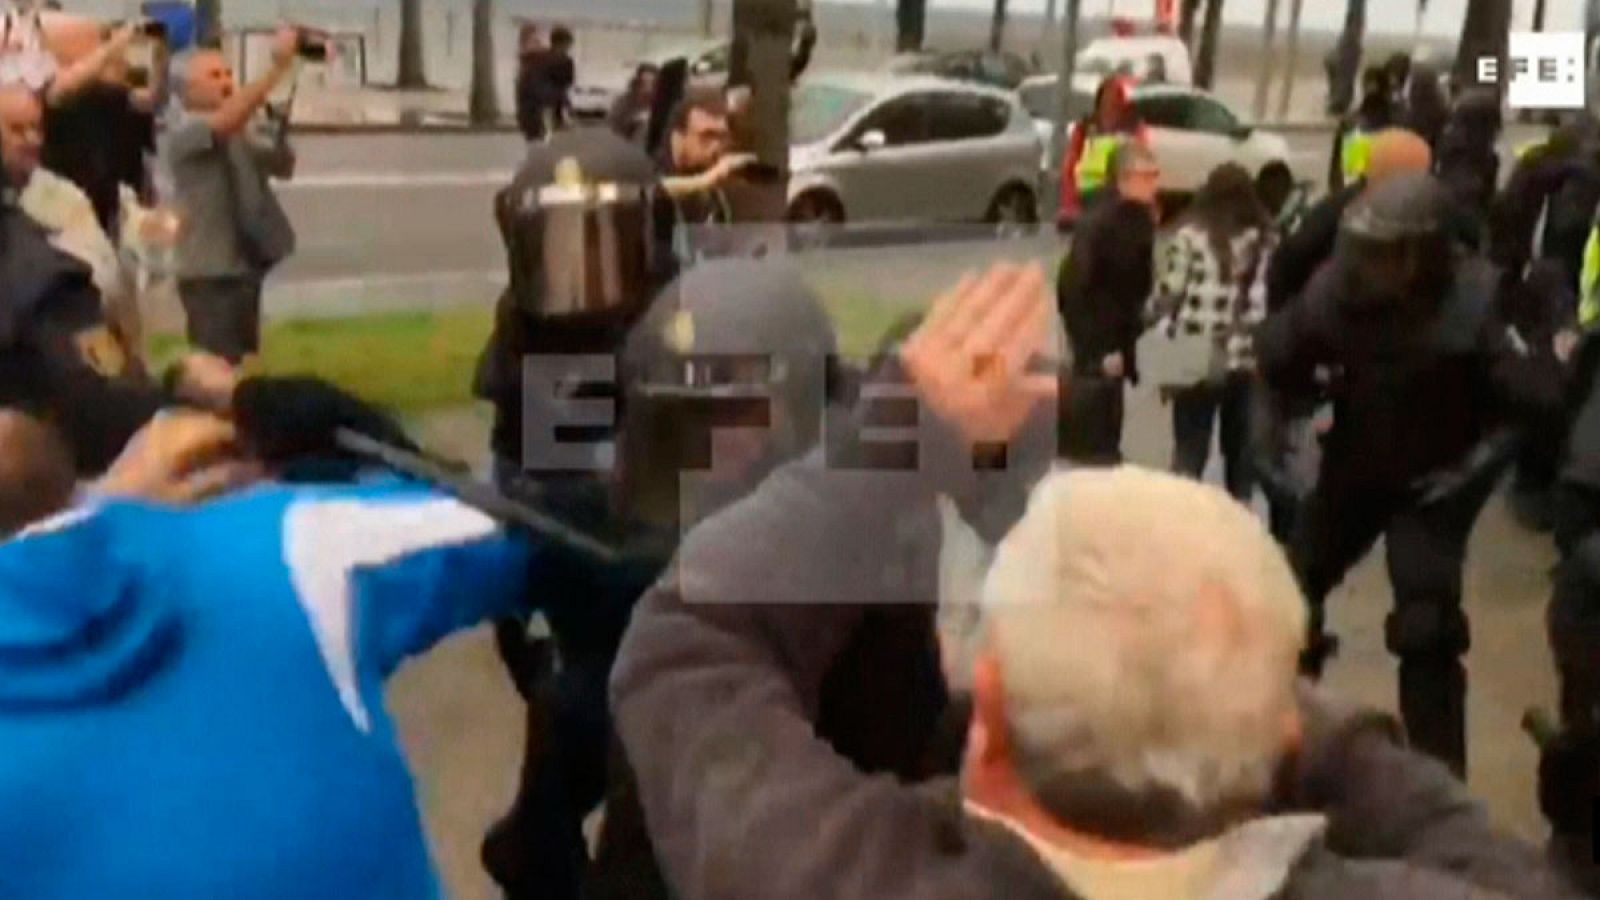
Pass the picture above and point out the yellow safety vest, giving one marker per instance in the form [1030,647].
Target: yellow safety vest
[1589,282]
[1354,155]
[1523,150]
[1094,166]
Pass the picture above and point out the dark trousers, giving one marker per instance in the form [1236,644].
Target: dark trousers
[1089,423]
[1427,629]
[537,850]
[223,314]
[1196,411]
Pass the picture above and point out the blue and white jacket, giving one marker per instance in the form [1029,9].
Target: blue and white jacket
[191,701]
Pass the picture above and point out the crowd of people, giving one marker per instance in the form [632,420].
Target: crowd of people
[724,607]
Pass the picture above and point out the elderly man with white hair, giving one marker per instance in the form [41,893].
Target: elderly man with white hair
[1138,729]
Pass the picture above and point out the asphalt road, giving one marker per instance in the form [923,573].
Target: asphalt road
[392,221]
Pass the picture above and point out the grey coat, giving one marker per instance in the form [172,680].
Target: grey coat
[715,695]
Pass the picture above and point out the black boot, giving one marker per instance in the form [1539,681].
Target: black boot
[1433,705]
[1320,648]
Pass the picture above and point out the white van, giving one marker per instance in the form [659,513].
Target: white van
[1156,58]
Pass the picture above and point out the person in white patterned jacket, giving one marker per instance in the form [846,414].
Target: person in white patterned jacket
[1211,286]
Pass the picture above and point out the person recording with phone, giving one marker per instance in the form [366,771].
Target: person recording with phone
[101,136]
[234,231]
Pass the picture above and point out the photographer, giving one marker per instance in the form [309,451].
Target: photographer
[100,136]
[234,230]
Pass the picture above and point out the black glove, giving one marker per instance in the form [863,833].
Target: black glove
[291,425]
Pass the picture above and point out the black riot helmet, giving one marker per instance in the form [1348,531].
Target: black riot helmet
[738,354]
[577,226]
[1395,243]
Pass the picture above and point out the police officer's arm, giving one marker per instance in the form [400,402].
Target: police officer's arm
[388,571]
[1294,341]
[82,371]
[1305,249]
[716,688]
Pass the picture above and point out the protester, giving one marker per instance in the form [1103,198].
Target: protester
[234,230]
[1145,763]
[1352,140]
[1104,284]
[1309,246]
[545,76]
[694,164]
[268,707]
[1425,384]
[1213,284]
[1086,170]
[630,114]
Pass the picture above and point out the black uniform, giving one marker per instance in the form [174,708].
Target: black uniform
[1466,159]
[554,309]
[58,356]
[1101,291]
[1423,378]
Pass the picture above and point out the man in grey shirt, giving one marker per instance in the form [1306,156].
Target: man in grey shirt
[233,229]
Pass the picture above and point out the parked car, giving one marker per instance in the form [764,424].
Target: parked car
[1155,58]
[708,65]
[1192,133]
[1002,70]
[886,148]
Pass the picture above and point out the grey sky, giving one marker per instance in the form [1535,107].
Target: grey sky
[1444,17]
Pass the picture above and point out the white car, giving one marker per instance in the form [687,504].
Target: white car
[708,64]
[1154,58]
[1192,133]
[881,148]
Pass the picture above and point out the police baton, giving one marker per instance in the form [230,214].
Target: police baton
[476,494]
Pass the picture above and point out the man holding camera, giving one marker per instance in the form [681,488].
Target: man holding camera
[234,230]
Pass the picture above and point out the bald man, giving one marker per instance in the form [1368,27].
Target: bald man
[60,207]
[233,228]
[1394,151]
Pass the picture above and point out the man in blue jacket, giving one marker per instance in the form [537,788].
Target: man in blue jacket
[191,700]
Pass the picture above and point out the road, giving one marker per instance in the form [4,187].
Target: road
[397,222]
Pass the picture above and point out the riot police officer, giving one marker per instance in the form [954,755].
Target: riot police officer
[1400,333]
[576,222]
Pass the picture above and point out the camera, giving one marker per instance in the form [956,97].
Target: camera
[312,45]
[154,29]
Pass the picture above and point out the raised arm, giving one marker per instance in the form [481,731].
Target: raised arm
[742,797]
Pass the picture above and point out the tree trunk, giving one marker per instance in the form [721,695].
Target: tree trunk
[412,72]
[208,22]
[708,18]
[761,59]
[1538,15]
[1186,16]
[483,102]
[1483,34]
[1291,61]
[997,27]
[1269,59]
[1206,67]
[911,23]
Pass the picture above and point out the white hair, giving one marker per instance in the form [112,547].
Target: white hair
[1147,631]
